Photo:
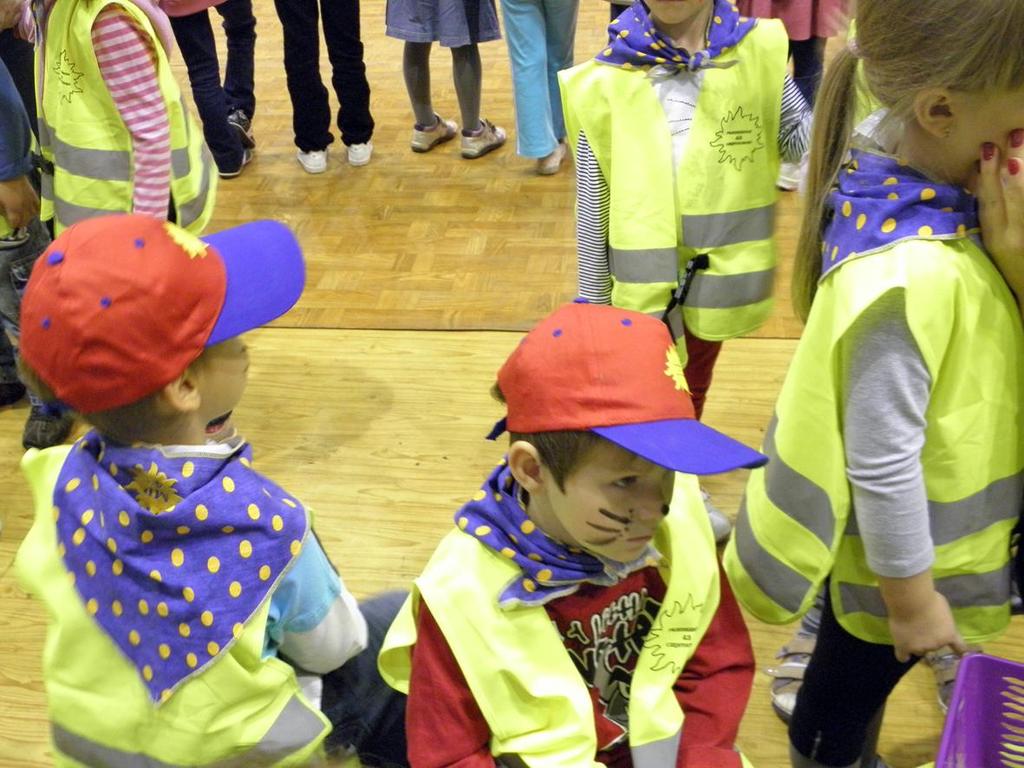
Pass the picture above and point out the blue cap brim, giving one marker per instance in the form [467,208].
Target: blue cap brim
[265,276]
[683,445]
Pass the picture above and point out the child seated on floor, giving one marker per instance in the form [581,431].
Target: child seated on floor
[177,578]
[576,614]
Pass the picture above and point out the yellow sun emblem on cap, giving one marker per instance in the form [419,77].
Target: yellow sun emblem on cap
[191,244]
[674,369]
[153,490]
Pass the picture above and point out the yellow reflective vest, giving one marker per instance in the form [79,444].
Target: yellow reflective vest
[720,201]
[243,710]
[82,135]
[522,678]
[795,526]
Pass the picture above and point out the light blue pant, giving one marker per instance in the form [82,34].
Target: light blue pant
[539,35]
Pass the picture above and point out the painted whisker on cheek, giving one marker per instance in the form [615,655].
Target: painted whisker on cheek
[602,542]
[597,527]
[617,518]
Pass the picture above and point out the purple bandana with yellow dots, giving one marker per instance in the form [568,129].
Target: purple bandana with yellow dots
[880,202]
[498,519]
[634,41]
[172,556]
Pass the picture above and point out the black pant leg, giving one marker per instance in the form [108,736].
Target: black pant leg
[311,114]
[847,681]
[345,50]
[240,30]
[194,36]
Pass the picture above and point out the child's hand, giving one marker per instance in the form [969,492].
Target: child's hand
[19,203]
[926,627]
[1000,191]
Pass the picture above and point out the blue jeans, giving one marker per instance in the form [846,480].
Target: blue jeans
[15,268]
[213,100]
[366,712]
[539,35]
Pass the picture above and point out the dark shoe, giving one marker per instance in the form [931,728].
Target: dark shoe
[243,125]
[246,158]
[45,428]
[11,392]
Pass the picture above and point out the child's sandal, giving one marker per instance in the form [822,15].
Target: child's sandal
[789,674]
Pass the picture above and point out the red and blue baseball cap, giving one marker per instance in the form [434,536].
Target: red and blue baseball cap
[119,306]
[615,373]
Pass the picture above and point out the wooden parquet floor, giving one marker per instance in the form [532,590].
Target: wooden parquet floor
[381,431]
[424,241]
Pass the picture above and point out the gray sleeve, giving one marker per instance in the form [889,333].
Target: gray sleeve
[885,399]
[593,270]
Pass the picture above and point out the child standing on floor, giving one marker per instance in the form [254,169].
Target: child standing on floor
[677,127]
[459,25]
[311,110]
[114,134]
[576,614]
[227,109]
[541,36]
[178,579]
[897,449]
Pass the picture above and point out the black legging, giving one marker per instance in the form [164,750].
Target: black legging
[808,56]
[846,683]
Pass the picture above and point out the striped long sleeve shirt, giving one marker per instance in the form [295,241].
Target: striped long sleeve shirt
[127,59]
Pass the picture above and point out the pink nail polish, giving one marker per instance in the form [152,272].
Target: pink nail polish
[1013,166]
[988,150]
[1017,138]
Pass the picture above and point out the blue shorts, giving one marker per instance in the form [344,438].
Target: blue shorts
[453,23]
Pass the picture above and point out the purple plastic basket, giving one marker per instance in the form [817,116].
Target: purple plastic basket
[985,723]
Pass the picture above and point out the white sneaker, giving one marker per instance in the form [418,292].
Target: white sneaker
[790,175]
[313,162]
[359,154]
[720,524]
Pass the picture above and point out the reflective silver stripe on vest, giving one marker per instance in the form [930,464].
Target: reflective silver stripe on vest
[1000,501]
[181,165]
[675,322]
[972,590]
[193,209]
[777,580]
[295,728]
[714,230]
[953,520]
[68,213]
[644,265]
[727,291]
[102,164]
[64,212]
[795,495]
[657,754]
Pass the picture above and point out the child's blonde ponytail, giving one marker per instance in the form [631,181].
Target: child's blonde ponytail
[830,138]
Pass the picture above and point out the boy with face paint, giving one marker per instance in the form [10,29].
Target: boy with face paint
[575,615]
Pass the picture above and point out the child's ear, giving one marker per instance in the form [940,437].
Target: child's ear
[935,112]
[182,394]
[525,465]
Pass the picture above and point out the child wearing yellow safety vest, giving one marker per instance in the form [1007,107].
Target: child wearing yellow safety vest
[896,444]
[677,127]
[185,589]
[575,614]
[115,135]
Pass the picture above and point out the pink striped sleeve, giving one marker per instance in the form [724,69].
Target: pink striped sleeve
[127,62]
